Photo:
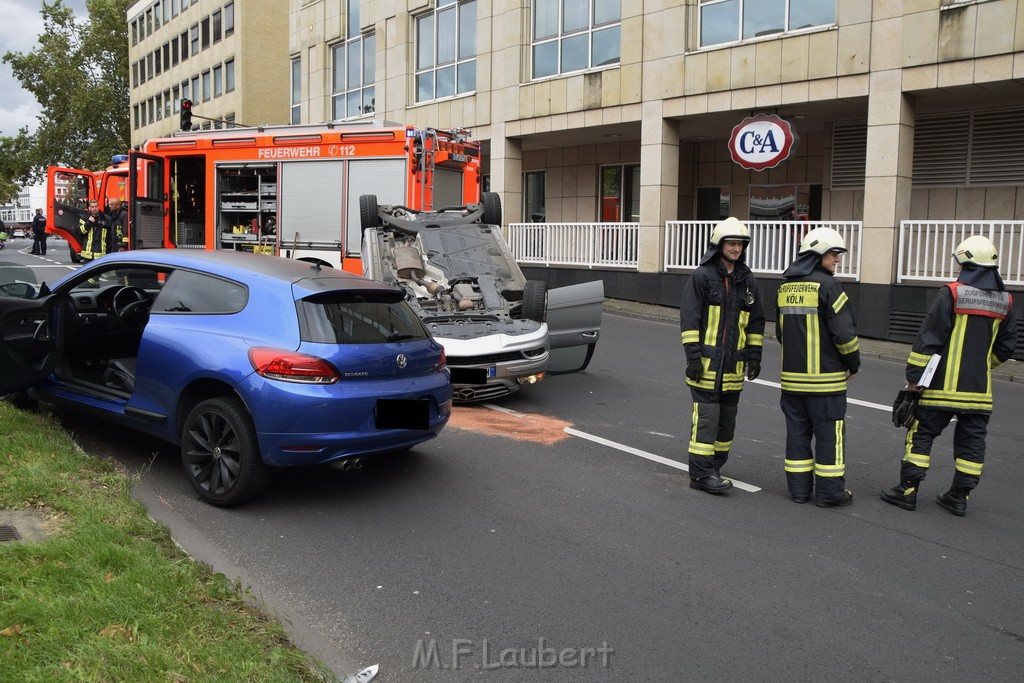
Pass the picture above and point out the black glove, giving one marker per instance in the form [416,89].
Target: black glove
[753,369]
[694,370]
[904,408]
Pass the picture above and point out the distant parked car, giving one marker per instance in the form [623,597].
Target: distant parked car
[246,362]
[17,233]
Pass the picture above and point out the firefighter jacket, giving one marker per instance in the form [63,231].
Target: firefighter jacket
[816,328]
[119,230]
[722,323]
[972,327]
[95,240]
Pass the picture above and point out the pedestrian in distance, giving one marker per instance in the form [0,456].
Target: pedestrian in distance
[820,353]
[39,233]
[118,218]
[722,324]
[970,328]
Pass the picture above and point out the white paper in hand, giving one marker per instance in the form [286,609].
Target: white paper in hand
[929,371]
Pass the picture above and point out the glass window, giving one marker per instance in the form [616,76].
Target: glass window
[156,15]
[620,194]
[353,73]
[167,55]
[229,120]
[534,199]
[216,26]
[157,61]
[726,21]
[229,18]
[206,86]
[167,10]
[183,39]
[714,203]
[359,318]
[206,32]
[195,39]
[229,75]
[135,33]
[218,81]
[185,292]
[781,203]
[135,110]
[175,99]
[184,90]
[149,22]
[446,51]
[174,51]
[574,35]
[195,88]
[296,90]
[135,75]
[174,8]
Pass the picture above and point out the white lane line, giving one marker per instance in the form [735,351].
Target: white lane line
[854,401]
[649,456]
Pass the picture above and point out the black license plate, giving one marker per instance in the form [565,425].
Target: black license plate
[469,375]
[393,413]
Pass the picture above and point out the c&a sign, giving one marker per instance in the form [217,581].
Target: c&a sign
[761,142]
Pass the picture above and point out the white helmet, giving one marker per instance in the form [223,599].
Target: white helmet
[730,229]
[821,241]
[976,249]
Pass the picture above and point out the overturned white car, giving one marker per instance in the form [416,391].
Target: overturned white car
[500,330]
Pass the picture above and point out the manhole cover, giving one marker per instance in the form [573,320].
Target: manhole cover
[8,533]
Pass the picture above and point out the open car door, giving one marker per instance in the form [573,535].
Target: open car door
[147,197]
[29,348]
[68,191]
[574,325]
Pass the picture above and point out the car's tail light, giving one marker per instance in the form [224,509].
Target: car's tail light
[290,366]
[444,360]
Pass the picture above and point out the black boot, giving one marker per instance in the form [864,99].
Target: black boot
[711,483]
[845,498]
[904,495]
[955,501]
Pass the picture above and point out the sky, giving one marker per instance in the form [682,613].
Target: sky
[20,27]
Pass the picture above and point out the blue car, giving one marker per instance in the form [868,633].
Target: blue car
[247,362]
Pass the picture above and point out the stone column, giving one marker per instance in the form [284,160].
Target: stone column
[507,173]
[659,183]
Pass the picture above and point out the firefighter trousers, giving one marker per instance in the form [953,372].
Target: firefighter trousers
[713,424]
[968,445]
[823,418]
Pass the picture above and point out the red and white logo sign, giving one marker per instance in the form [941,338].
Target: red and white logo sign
[761,142]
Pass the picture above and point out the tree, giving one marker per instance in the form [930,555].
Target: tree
[79,75]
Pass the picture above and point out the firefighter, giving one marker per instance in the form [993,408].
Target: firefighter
[972,328]
[820,352]
[94,228]
[722,323]
[118,219]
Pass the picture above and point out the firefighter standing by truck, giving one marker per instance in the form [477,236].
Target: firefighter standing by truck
[969,329]
[722,326]
[820,352]
[95,229]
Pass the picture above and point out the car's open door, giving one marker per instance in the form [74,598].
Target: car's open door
[29,346]
[574,325]
[147,197]
[68,191]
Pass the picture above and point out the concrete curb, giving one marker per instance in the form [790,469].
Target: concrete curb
[881,349]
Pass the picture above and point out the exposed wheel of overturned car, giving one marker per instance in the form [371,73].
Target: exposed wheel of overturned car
[368,215]
[535,301]
[492,208]
[221,454]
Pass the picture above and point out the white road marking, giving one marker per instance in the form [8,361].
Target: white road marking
[854,401]
[649,456]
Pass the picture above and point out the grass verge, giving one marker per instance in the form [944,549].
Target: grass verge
[109,596]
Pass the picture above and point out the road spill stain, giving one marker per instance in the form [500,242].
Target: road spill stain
[519,426]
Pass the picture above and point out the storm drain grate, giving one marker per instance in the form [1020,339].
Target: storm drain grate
[8,533]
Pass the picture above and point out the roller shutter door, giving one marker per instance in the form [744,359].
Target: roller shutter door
[382,177]
[311,203]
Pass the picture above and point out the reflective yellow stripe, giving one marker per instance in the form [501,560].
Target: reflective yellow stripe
[814,388]
[755,339]
[811,345]
[849,347]
[838,304]
[799,465]
[829,470]
[699,448]
[995,331]
[744,319]
[968,467]
[918,459]
[691,336]
[693,422]
[806,376]
[723,445]
[840,452]
[956,348]
[711,333]
[918,359]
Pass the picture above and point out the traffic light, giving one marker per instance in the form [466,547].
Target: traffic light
[186,114]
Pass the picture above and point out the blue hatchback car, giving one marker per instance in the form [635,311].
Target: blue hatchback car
[247,362]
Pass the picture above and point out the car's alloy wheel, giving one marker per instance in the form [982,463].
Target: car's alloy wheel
[220,452]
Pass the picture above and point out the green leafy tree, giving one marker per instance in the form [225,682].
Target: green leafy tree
[78,72]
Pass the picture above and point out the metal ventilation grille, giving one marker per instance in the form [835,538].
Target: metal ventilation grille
[997,148]
[940,150]
[967,149]
[849,154]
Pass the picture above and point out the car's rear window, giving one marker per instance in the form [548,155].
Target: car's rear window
[359,318]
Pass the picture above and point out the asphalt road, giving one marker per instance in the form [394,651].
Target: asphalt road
[511,549]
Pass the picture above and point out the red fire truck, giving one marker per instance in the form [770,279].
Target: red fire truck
[290,190]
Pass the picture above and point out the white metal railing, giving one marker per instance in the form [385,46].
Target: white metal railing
[773,244]
[926,248]
[615,245]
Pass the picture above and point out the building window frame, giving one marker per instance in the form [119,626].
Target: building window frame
[445,51]
[218,80]
[206,86]
[353,85]
[620,192]
[563,41]
[535,196]
[229,76]
[715,19]
[296,90]
[218,25]
[229,19]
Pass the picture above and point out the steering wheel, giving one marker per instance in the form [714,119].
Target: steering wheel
[131,307]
